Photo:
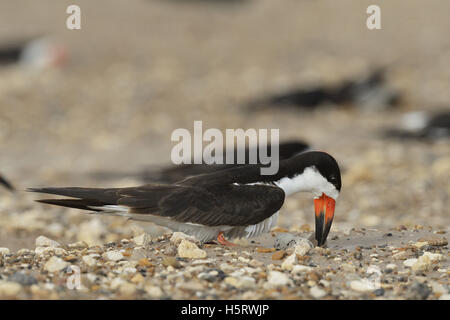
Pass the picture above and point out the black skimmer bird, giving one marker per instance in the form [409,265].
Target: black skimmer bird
[422,125]
[233,203]
[368,92]
[173,174]
[37,53]
[6,183]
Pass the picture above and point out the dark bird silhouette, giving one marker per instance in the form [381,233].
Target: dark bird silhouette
[176,173]
[235,202]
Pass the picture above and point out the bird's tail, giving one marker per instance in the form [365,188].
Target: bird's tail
[6,183]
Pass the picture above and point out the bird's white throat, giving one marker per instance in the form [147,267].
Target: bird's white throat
[310,180]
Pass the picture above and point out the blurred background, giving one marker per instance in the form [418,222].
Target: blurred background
[113,92]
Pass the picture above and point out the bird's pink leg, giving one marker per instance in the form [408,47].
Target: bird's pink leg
[222,241]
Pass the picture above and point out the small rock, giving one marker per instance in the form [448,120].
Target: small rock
[113,255]
[301,269]
[23,278]
[187,249]
[170,261]
[277,279]
[289,262]
[90,259]
[391,267]
[363,285]
[410,262]
[127,289]
[278,255]
[144,262]
[255,263]
[171,251]
[265,250]
[142,239]
[302,247]
[4,251]
[379,292]
[245,260]
[78,245]
[138,278]
[55,264]
[42,241]
[48,250]
[190,285]
[243,282]
[177,237]
[317,293]
[348,267]
[9,289]
[418,291]
[434,241]
[116,283]
[426,261]
[154,292]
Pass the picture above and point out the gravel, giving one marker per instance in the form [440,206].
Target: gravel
[114,109]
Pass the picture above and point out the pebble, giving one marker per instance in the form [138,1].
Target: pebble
[4,251]
[113,255]
[78,245]
[410,262]
[42,241]
[188,249]
[23,278]
[265,250]
[90,260]
[190,286]
[278,255]
[9,289]
[177,237]
[138,278]
[49,250]
[255,263]
[391,267]
[317,293]
[142,239]
[154,291]
[362,285]
[243,282]
[302,247]
[348,267]
[301,269]
[277,279]
[289,262]
[170,261]
[55,264]
[127,289]
[418,291]
[425,262]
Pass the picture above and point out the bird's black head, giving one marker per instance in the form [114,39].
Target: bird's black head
[328,168]
[318,173]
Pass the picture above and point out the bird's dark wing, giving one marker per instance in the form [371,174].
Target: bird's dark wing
[232,205]
[6,183]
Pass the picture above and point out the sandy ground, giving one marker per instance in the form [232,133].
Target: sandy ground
[140,69]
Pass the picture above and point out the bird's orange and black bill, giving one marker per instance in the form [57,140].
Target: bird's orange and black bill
[324,210]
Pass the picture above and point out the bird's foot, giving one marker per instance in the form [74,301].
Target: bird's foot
[221,239]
